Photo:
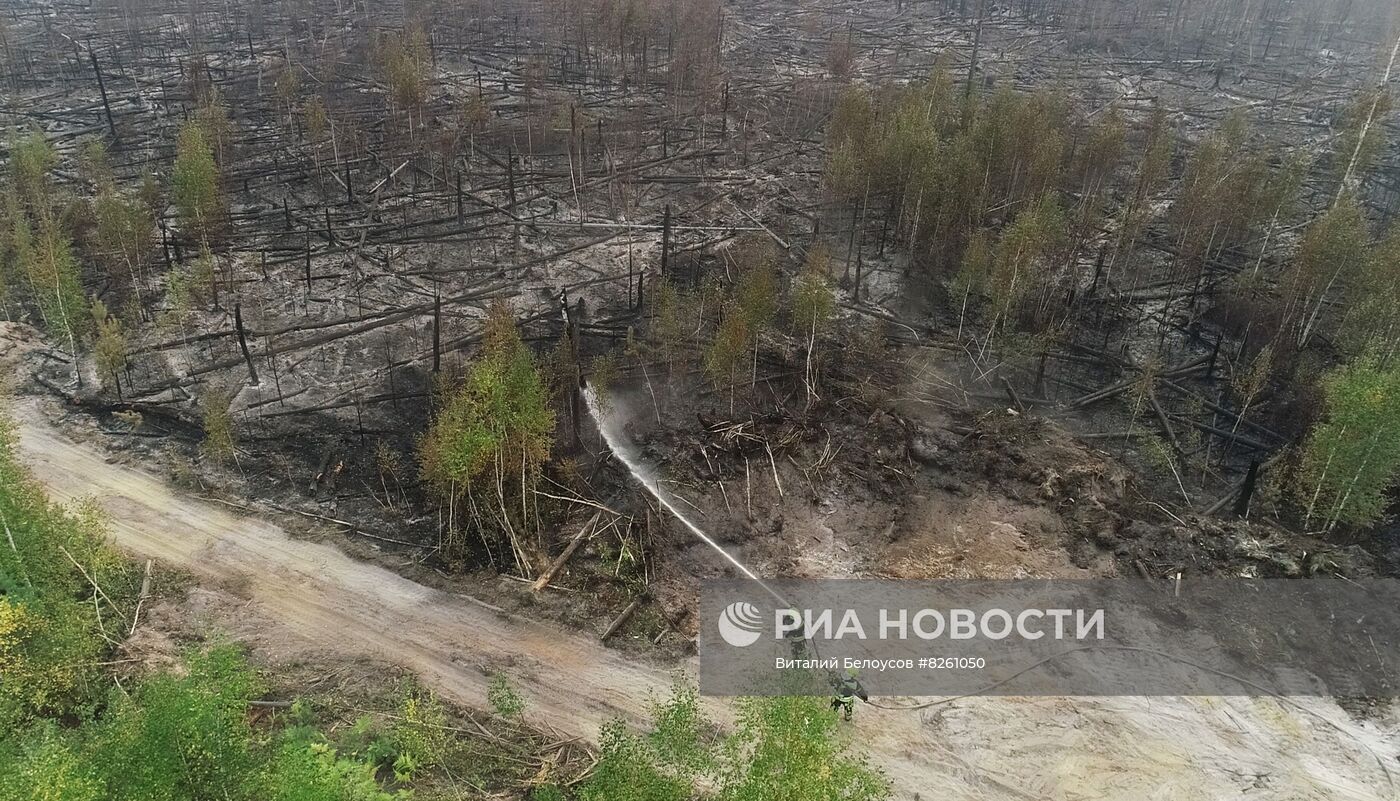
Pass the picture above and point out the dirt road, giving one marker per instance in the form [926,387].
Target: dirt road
[980,748]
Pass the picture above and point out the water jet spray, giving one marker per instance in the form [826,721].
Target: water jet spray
[646,476]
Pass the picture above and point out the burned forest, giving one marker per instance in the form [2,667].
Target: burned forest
[406,372]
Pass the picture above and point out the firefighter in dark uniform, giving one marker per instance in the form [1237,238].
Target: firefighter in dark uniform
[848,689]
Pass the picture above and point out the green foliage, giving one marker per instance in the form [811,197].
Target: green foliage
[1153,167]
[548,792]
[46,766]
[1248,383]
[498,415]
[629,770]
[38,248]
[976,269]
[316,119]
[212,116]
[729,349]
[1372,313]
[109,348]
[10,269]
[492,433]
[711,294]
[850,127]
[1362,137]
[53,277]
[668,321]
[1334,254]
[405,767]
[788,748]
[288,84]
[1096,163]
[785,749]
[845,171]
[67,734]
[679,731]
[952,167]
[475,113]
[308,769]
[123,236]
[603,373]
[44,259]
[813,300]
[1229,189]
[49,621]
[1280,194]
[32,158]
[151,193]
[420,734]
[368,743]
[190,286]
[756,291]
[93,164]
[404,59]
[1102,151]
[662,765]
[182,736]
[957,172]
[44,646]
[1027,261]
[1159,455]
[563,366]
[195,182]
[1337,240]
[839,57]
[1352,458]
[505,699]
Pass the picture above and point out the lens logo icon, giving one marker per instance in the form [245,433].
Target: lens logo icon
[740,624]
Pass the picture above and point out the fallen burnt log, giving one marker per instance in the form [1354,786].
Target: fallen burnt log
[1118,388]
[187,421]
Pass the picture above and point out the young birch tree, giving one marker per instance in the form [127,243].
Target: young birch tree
[489,441]
[1351,459]
[195,183]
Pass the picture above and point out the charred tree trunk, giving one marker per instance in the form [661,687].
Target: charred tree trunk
[1241,509]
[437,331]
[243,342]
[102,88]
